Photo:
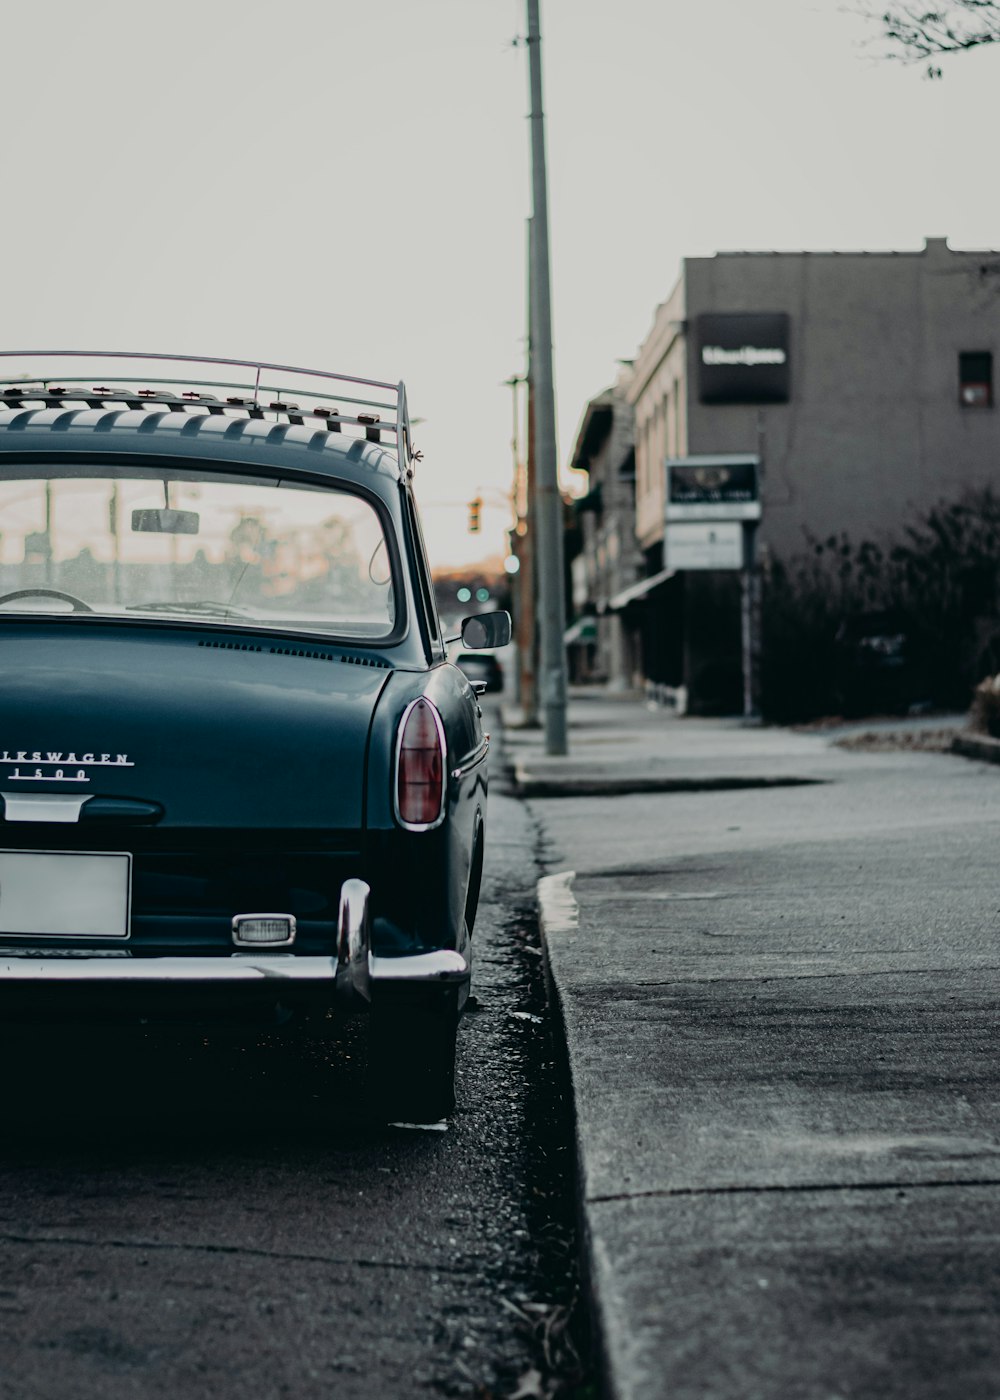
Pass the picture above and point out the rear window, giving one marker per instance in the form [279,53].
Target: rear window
[192,544]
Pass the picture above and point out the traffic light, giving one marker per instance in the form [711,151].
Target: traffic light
[475,506]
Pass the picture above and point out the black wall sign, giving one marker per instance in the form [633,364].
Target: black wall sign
[743,357]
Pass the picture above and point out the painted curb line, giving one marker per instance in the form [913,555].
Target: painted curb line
[557,904]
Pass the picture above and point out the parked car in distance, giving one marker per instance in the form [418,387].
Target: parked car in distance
[237,771]
[876,668]
[481,669]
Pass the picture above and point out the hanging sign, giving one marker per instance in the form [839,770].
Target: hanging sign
[703,545]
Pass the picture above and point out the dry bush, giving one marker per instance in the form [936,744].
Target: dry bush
[940,578]
[984,716]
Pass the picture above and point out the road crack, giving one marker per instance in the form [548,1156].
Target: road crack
[796,1188]
[236,1250]
[623,993]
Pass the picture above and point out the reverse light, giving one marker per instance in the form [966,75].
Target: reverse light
[421,761]
[263,930]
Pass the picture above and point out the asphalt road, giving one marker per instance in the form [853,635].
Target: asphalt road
[192,1217]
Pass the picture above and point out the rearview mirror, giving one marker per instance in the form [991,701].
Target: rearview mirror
[486,630]
[165,522]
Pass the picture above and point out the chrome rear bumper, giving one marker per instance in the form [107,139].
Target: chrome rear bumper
[355,971]
[65,965]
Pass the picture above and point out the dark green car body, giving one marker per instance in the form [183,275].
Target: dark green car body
[244,764]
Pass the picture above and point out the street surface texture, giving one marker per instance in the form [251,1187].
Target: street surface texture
[781,1008]
[190,1218]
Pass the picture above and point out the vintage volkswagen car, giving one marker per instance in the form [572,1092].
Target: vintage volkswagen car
[237,771]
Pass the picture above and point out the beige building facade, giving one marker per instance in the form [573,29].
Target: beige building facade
[609,562]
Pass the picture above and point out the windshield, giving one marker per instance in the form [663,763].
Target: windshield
[195,544]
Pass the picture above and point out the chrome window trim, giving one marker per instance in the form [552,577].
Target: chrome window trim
[443,812]
[474,761]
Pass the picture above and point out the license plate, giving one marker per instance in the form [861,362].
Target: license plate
[63,894]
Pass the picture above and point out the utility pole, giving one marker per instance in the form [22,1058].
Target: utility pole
[548,503]
[526,613]
[524,586]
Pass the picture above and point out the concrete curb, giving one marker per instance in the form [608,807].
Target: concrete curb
[559,914]
[979,746]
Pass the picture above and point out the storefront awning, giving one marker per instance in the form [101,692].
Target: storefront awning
[638,590]
[583,630]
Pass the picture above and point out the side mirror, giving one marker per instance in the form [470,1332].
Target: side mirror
[486,630]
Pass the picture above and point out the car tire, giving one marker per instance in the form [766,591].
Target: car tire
[411,1060]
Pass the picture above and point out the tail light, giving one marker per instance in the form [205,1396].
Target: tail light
[421,758]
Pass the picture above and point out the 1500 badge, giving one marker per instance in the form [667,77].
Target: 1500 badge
[58,767]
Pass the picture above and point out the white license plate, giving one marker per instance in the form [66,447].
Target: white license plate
[64,894]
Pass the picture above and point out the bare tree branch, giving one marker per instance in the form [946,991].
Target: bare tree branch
[917,33]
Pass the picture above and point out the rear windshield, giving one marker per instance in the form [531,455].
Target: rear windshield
[190,544]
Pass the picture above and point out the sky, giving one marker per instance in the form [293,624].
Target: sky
[346,186]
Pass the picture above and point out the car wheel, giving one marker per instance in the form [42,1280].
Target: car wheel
[411,1060]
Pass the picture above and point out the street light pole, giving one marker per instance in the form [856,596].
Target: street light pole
[548,502]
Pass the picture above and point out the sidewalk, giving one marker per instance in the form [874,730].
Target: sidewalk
[623,745]
[763,947]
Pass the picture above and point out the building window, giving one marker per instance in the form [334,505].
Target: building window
[975,379]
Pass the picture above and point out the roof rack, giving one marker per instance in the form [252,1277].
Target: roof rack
[337,406]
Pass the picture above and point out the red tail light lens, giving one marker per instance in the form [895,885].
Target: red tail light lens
[420,767]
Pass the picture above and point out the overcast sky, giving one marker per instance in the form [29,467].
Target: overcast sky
[345,185]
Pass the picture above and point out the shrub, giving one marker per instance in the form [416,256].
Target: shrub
[800,620]
[940,582]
